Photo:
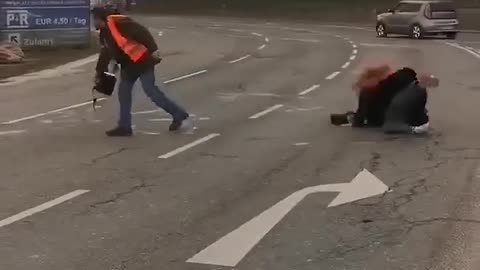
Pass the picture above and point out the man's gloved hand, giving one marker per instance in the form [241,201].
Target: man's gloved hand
[157,56]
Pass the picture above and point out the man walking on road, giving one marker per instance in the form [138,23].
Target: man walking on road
[133,47]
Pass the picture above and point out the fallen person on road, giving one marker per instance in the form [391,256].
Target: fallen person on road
[393,100]
[132,46]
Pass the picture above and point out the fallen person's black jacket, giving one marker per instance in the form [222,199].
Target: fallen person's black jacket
[373,103]
[130,29]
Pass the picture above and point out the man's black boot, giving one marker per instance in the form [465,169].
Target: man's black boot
[119,132]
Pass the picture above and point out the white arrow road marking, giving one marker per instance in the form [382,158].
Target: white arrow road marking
[233,247]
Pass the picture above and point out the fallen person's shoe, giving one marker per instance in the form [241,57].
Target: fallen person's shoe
[342,119]
[423,129]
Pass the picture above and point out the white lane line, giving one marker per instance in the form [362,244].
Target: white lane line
[311,89]
[383,45]
[42,207]
[240,59]
[50,112]
[262,47]
[346,65]
[350,41]
[188,146]
[455,45]
[353,57]
[257,34]
[301,144]
[12,132]
[267,39]
[146,112]
[355,51]
[301,40]
[354,46]
[89,102]
[265,112]
[338,36]
[186,76]
[332,76]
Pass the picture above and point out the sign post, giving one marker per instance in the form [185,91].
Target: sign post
[45,23]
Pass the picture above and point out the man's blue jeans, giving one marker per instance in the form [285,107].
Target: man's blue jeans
[153,91]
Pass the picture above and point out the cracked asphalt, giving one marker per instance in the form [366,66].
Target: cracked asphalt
[144,213]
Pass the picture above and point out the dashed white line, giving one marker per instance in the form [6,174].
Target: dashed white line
[12,132]
[186,76]
[42,207]
[350,41]
[355,51]
[301,40]
[49,112]
[267,39]
[262,47]
[188,146]
[89,102]
[354,46]
[257,34]
[346,65]
[240,59]
[267,111]
[146,112]
[353,57]
[333,75]
[338,36]
[311,89]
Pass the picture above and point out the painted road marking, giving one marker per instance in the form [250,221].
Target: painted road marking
[42,207]
[267,39]
[68,68]
[355,51]
[50,112]
[456,45]
[188,146]
[240,59]
[12,132]
[267,111]
[90,102]
[383,45]
[311,89]
[186,76]
[262,47]
[301,144]
[353,57]
[257,34]
[354,46]
[333,75]
[233,247]
[346,65]
[146,112]
[301,40]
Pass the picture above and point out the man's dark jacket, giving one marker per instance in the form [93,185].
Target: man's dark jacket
[373,103]
[131,30]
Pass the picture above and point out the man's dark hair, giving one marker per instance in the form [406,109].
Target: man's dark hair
[102,12]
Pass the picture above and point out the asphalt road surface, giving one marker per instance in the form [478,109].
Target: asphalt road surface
[261,93]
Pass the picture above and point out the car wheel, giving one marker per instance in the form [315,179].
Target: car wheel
[416,32]
[452,35]
[381,30]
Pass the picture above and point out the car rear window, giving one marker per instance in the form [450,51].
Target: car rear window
[442,7]
[442,11]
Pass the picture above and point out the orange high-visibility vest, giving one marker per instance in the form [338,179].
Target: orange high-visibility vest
[133,49]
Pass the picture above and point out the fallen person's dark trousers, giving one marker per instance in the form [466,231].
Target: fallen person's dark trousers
[407,110]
